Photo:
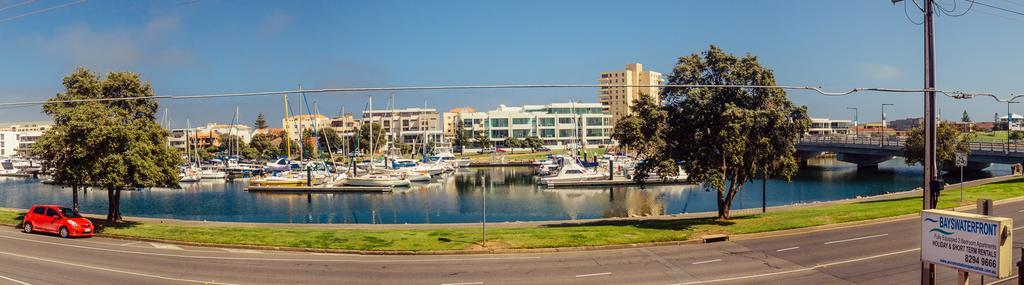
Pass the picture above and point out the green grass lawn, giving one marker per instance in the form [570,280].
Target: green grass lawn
[996,136]
[604,233]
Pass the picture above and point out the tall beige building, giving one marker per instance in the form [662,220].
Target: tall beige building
[618,100]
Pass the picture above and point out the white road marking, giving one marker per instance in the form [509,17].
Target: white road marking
[240,250]
[853,239]
[166,246]
[113,270]
[130,243]
[1020,211]
[14,280]
[797,270]
[787,249]
[1017,228]
[593,274]
[706,261]
[464,283]
[272,259]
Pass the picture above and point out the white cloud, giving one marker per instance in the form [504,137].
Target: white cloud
[881,71]
[117,48]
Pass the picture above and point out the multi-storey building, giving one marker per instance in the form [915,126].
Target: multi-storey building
[556,124]
[617,99]
[18,138]
[824,126]
[209,135]
[410,125]
[450,120]
[296,124]
[345,124]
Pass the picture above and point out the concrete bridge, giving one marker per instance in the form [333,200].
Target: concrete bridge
[869,151]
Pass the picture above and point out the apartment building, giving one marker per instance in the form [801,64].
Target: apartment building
[556,124]
[618,100]
[825,126]
[450,120]
[410,125]
[16,139]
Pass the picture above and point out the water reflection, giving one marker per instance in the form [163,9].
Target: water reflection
[511,193]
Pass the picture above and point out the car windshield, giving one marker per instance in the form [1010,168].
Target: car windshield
[69,213]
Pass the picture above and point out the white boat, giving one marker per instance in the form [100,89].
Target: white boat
[572,172]
[411,175]
[376,180]
[444,152]
[212,173]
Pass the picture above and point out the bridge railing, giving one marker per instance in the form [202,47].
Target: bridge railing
[893,141]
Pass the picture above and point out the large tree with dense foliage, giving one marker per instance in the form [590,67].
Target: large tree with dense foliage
[117,144]
[379,139]
[643,134]
[261,144]
[725,137]
[533,142]
[512,143]
[949,139]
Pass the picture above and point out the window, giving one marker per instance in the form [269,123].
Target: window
[498,123]
[499,134]
[595,132]
[467,122]
[547,133]
[69,213]
[547,122]
[520,133]
[566,133]
[50,212]
[39,210]
[565,120]
[520,121]
[594,121]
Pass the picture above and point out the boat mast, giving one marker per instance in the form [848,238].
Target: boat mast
[371,133]
[287,141]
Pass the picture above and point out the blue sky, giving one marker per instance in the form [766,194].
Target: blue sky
[186,47]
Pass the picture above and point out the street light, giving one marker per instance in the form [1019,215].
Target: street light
[856,133]
[1009,123]
[883,122]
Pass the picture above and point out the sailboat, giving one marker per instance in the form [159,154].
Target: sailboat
[280,170]
[189,173]
[371,178]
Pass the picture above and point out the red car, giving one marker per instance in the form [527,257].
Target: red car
[57,219]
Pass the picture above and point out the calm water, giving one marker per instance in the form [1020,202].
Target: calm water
[511,192]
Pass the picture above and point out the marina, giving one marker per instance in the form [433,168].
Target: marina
[512,194]
[324,189]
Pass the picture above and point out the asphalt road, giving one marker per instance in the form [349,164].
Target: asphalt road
[883,253]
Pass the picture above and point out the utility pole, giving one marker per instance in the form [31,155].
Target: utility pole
[931,185]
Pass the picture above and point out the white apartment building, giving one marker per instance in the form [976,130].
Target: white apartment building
[410,125]
[825,126]
[618,100]
[16,139]
[1018,122]
[557,124]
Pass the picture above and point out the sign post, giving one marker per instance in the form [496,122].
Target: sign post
[961,161]
[967,242]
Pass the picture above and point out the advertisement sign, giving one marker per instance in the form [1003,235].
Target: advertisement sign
[968,242]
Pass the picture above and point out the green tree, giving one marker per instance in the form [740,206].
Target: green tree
[512,143]
[482,141]
[643,132]
[330,138]
[965,118]
[379,138]
[460,135]
[1016,135]
[261,145]
[261,122]
[949,141]
[533,142]
[118,143]
[725,137]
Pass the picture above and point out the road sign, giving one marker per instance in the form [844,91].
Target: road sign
[967,242]
[961,159]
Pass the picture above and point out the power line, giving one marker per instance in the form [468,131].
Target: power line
[16,5]
[996,7]
[41,11]
[818,89]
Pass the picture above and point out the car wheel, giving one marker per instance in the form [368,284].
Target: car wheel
[63,232]
[27,227]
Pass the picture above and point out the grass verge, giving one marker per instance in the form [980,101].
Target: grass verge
[597,234]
